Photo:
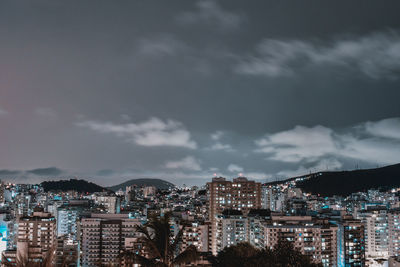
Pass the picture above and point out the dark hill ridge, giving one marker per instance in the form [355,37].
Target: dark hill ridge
[81,186]
[158,183]
[346,182]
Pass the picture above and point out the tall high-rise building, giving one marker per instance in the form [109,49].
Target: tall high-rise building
[105,237]
[266,197]
[239,194]
[36,236]
[376,232]
[351,243]
[394,232]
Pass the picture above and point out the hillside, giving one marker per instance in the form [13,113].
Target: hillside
[158,183]
[72,184]
[346,182]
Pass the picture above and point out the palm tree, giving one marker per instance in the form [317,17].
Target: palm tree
[159,248]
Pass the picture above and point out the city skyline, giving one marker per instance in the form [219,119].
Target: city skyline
[113,91]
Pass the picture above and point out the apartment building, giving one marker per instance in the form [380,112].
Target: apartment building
[315,238]
[105,237]
[36,236]
[197,234]
[240,194]
[376,234]
[394,232]
[351,242]
[231,230]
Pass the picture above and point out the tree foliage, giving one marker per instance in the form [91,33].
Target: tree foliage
[159,247]
[245,255]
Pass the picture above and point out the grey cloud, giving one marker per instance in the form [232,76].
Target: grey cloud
[210,12]
[258,176]
[218,145]
[153,132]
[298,144]
[370,149]
[234,168]
[376,55]
[221,146]
[311,144]
[51,171]
[217,135]
[387,128]
[187,163]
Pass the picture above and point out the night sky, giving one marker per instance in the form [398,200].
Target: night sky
[183,90]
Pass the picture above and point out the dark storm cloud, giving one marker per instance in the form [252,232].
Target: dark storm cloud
[191,88]
[51,171]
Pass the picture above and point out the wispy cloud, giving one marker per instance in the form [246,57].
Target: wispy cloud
[187,163]
[51,171]
[153,132]
[376,55]
[223,147]
[210,12]
[218,145]
[217,135]
[298,144]
[373,142]
[234,168]
[387,128]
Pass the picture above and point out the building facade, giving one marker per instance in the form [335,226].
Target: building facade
[240,194]
[105,237]
[36,236]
